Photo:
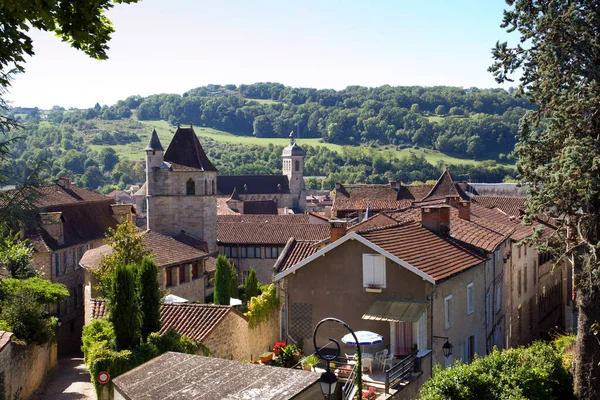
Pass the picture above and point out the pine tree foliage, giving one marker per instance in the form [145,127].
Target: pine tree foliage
[251,285]
[124,308]
[150,297]
[233,281]
[558,62]
[222,280]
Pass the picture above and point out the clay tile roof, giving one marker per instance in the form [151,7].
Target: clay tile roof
[438,257]
[444,187]
[185,152]
[253,184]
[486,230]
[166,251]
[211,264]
[98,308]
[54,195]
[154,143]
[294,252]
[223,208]
[186,239]
[508,205]
[319,215]
[196,321]
[414,192]
[269,218]
[269,233]
[358,197]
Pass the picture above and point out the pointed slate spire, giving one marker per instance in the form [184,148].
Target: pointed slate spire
[444,187]
[235,195]
[154,143]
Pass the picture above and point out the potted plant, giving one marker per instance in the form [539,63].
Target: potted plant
[266,357]
[277,347]
[309,362]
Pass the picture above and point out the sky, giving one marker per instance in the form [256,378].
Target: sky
[171,46]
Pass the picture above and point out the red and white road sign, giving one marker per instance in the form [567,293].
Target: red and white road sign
[103,377]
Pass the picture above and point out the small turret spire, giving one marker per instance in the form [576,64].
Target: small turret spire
[154,143]
[292,137]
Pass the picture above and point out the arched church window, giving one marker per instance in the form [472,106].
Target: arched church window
[297,165]
[205,187]
[190,187]
[213,188]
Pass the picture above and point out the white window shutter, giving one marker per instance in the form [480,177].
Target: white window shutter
[379,270]
[367,269]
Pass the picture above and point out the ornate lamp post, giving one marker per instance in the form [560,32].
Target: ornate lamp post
[328,379]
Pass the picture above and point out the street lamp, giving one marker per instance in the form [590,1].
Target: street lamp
[328,380]
[447,347]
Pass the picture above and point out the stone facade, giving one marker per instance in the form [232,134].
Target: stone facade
[262,265]
[23,366]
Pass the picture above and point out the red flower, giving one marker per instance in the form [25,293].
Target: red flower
[279,345]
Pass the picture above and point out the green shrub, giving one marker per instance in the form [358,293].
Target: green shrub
[124,308]
[263,306]
[533,373]
[150,297]
[26,318]
[99,334]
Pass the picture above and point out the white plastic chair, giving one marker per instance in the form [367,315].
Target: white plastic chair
[386,361]
[380,355]
[350,357]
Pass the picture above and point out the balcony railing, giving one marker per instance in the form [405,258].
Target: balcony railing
[399,372]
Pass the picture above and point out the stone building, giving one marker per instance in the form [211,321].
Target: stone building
[181,188]
[71,221]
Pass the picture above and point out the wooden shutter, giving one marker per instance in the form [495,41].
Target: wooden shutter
[368,269]
[379,270]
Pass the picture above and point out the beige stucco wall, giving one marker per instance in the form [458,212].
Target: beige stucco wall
[23,367]
[463,324]
[332,286]
[262,266]
[192,289]
[229,339]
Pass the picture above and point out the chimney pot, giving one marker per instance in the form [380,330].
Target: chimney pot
[453,200]
[337,229]
[64,182]
[436,219]
[464,210]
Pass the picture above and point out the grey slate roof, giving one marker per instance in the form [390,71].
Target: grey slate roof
[154,143]
[185,152]
[185,377]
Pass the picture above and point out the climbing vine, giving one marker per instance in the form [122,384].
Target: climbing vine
[262,307]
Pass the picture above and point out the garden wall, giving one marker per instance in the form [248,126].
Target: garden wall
[262,337]
[23,366]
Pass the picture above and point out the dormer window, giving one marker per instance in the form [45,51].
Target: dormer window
[190,187]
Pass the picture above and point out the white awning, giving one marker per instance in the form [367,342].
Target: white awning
[396,310]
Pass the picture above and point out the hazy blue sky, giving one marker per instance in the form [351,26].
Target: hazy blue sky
[175,45]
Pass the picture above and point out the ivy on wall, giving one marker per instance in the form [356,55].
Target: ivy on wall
[262,307]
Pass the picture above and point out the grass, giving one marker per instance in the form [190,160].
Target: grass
[264,101]
[135,151]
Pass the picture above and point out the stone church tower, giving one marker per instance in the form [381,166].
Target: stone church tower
[181,192]
[293,168]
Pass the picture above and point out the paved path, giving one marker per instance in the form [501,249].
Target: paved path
[70,380]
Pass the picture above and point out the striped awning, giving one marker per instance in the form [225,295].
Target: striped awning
[396,310]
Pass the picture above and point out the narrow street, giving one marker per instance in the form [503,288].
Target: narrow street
[70,380]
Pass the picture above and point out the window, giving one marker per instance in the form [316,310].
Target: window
[469,349]
[206,188]
[297,166]
[448,311]
[422,331]
[56,264]
[213,187]
[373,270]
[231,251]
[251,252]
[273,252]
[534,272]
[519,321]
[81,251]
[525,279]
[525,250]
[519,247]
[182,273]
[75,260]
[470,298]
[530,315]
[65,262]
[519,283]
[169,278]
[498,296]
[57,308]
[497,253]
[195,267]
[190,187]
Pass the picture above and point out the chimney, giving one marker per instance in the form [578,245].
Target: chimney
[64,182]
[337,229]
[464,210]
[436,219]
[453,200]
[395,185]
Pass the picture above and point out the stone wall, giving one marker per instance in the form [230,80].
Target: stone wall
[23,366]
[262,337]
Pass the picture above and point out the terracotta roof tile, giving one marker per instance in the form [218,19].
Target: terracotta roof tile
[268,218]
[223,208]
[294,252]
[508,205]
[437,256]
[211,264]
[269,233]
[196,321]
[54,195]
[358,197]
[166,251]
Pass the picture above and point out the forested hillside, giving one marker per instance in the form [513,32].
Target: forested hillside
[101,147]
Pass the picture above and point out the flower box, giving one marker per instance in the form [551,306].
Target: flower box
[266,357]
[373,289]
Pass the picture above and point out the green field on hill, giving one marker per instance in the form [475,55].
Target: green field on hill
[135,151]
